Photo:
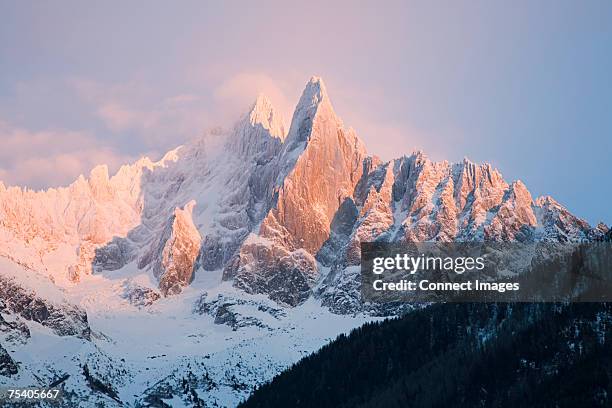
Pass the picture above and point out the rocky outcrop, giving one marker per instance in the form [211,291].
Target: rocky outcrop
[180,252]
[8,366]
[327,168]
[270,202]
[14,330]
[318,169]
[139,296]
[224,311]
[112,256]
[64,319]
[265,267]
[414,199]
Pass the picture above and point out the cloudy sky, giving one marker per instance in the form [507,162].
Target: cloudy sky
[524,85]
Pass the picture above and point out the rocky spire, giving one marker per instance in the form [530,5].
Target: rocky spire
[320,177]
[320,164]
[313,102]
[262,113]
[259,134]
[180,251]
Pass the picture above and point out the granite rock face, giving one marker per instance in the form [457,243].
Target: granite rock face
[63,318]
[14,330]
[180,253]
[317,170]
[224,311]
[8,366]
[281,212]
[325,173]
[112,256]
[413,199]
[268,268]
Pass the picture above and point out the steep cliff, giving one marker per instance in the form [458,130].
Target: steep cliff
[242,247]
[179,253]
[276,209]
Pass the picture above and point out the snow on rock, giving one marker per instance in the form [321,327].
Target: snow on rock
[82,217]
[324,174]
[298,191]
[269,268]
[318,169]
[180,252]
[8,367]
[435,202]
[32,298]
[169,301]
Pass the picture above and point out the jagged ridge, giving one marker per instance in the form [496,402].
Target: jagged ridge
[267,205]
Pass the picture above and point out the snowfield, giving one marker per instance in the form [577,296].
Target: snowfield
[140,350]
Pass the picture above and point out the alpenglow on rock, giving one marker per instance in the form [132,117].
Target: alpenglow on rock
[318,168]
[180,252]
[280,212]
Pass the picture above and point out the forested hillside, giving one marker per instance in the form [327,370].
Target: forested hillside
[460,355]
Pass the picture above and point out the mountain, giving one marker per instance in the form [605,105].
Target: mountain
[231,257]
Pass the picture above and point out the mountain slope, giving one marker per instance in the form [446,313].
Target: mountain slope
[462,355]
[213,269]
[264,205]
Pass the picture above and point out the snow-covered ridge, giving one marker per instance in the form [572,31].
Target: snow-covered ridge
[218,266]
[285,187]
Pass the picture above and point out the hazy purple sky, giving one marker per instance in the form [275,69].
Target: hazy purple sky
[524,85]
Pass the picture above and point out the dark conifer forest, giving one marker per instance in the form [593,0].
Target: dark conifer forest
[459,355]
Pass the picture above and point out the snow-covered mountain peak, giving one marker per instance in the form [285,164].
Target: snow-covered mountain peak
[315,89]
[99,174]
[546,200]
[315,97]
[314,102]
[259,134]
[262,113]
[272,243]
[288,193]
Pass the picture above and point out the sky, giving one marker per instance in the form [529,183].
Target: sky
[523,85]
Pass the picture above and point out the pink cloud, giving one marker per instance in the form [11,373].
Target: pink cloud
[150,116]
[38,159]
[181,99]
[161,119]
[119,118]
[362,108]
